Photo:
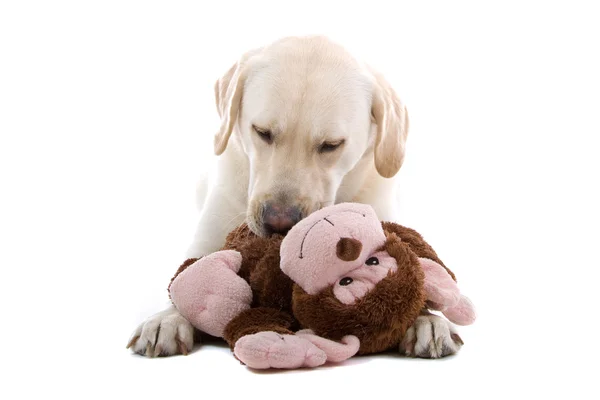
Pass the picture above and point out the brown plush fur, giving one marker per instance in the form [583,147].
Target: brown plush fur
[258,319]
[379,319]
[417,244]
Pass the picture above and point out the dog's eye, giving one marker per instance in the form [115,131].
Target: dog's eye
[264,134]
[373,261]
[345,281]
[328,147]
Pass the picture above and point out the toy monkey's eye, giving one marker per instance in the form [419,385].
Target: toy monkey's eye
[345,281]
[373,261]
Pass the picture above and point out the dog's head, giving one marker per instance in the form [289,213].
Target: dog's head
[306,114]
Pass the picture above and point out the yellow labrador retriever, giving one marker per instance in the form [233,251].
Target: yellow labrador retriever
[303,125]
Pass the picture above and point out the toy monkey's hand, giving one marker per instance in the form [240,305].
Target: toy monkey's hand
[269,349]
[209,293]
[336,352]
[443,294]
[264,350]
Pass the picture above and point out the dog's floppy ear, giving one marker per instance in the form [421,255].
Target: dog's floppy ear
[391,118]
[228,97]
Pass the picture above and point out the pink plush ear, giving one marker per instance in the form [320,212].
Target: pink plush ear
[439,285]
[443,294]
[463,313]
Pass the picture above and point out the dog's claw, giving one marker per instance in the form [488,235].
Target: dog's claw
[457,339]
[182,347]
[132,341]
[149,349]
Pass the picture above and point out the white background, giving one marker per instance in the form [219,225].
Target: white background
[106,122]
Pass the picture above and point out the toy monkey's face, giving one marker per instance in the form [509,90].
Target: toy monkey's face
[374,302]
[353,285]
[334,243]
[352,279]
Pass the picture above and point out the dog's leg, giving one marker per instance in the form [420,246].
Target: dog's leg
[168,332]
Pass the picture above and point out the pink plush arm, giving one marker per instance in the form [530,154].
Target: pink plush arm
[209,293]
[443,294]
[267,349]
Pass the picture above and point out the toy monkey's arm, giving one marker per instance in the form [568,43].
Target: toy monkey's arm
[209,293]
[335,351]
[260,267]
[269,349]
[252,248]
[270,286]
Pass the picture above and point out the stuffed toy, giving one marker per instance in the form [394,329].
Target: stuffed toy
[339,283]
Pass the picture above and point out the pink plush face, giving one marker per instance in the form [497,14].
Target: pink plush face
[337,246]
[353,285]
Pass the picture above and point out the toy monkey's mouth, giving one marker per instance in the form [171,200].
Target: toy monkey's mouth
[306,234]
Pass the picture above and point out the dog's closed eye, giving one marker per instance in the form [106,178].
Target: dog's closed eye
[329,147]
[264,134]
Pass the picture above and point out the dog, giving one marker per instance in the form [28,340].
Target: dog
[303,125]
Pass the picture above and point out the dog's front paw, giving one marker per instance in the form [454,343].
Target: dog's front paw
[264,350]
[430,336]
[164,334]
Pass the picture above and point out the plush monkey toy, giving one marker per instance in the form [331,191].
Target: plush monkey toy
[340,283]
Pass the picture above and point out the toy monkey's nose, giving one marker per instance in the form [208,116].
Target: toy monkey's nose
[278,218]
[348,249]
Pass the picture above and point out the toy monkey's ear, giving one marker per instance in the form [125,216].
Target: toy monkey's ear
[443,294]
[440,288]
[463,313]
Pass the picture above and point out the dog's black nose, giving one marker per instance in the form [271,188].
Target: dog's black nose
[278,218]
